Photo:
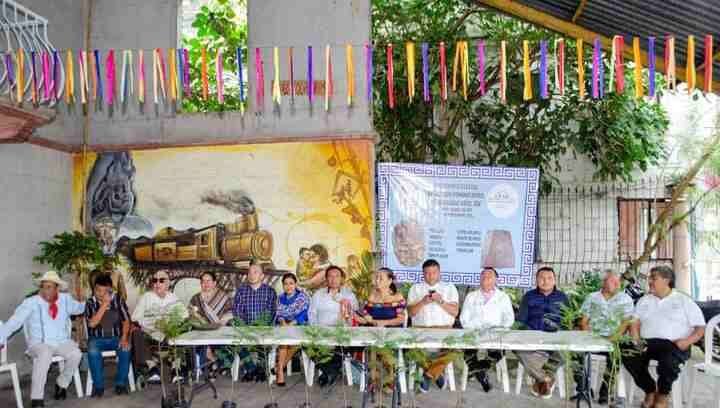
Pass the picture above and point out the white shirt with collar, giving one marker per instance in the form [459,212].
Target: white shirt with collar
[152,307]
[672,318]
[34,314]
[433,314]
[325,308]
[478,314]
[606,315]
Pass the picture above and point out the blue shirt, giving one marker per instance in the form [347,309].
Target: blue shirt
[251,304]
[293,308]
[34,314]
[540,312]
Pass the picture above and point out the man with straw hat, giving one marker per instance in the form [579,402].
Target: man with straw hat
[46,317]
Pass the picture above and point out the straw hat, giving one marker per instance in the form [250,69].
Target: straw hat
[52,276]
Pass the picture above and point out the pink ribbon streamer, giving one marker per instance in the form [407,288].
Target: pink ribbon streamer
[110,77]
[46,74]
[596,70]
[219,78]
[259,80]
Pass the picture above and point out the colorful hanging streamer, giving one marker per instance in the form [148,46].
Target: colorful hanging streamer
[180,72]
[410,69]
[141,76]
[651,67]
[368,72]
[259,80]
[460,63]
[708,65]
[637,74]
[186,73]
[329,85]
[310,79]
[527,75]
[10,73]
[83,76]
[160,79]
[465,68]
[110,77]
[241,85]
[596,85]
[443,74]
[350,74]
[204,74]
[503,73]
[619,65]
[560,66]
[124,76]
[670,65]
[480,56]
[276,95]
[291,71]
[47,82]
[390,76]
[173,75]
[424,50]
[97,84]
[69,77]
[57,65]
[581,68]
[543,70]
[690,67]
[33,73]
[219,80]
[20,88]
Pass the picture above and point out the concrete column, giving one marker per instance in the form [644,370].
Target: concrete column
[681,250]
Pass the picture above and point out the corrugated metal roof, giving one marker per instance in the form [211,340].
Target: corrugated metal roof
[657,18]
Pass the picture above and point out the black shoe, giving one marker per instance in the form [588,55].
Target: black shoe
[323,380]
[97,393]
[332,378]
[280,384]
[482,378]
[603,395]
[440,382]
[37,403]
[248,377]
[260,376]
[153,376]
[121,390]
[60,393]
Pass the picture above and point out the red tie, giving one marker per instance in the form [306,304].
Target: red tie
[53,309]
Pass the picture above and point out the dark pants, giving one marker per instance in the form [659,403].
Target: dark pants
[579,375]
[96,345]
[669,359]
[142,348]
[333,367]
[475,364]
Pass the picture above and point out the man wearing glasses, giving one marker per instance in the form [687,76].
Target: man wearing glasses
[151,307]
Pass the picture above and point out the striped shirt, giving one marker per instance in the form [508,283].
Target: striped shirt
[117,306]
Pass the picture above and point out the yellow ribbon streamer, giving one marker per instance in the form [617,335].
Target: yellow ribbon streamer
[456,62]
[20,77]
[276,96]
[410,66]
[69,77]
[690,68]
[581,68]
[350,72]
[503,73]
[528,93]
[141,76]
[465,68]
[172,67]
[638,68]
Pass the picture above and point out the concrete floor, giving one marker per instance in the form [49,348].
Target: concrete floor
[257,395]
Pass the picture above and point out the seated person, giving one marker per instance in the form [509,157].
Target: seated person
[292,309]
[385,308]
[332,306]
[214,306]
[540,310]
[108,322]
[255,304]
[433,303]
[605,313]
[152,306]
[486,308]
[47,320]
[669,322]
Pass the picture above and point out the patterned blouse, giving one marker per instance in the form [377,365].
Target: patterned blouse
[219,306]
[384,311]
[293,308]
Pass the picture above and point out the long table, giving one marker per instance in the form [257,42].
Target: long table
[407,338]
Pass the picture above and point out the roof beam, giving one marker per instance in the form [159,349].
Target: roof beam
[579,10]
[569,29]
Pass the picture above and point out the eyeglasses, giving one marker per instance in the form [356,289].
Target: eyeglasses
[158,280]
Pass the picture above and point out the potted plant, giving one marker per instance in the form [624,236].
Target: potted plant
[172,326]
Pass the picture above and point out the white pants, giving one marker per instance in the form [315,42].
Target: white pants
[42,355]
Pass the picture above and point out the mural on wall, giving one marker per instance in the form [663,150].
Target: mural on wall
[291,206]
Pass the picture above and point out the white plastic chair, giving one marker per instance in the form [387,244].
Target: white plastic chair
[709,367]
[110,354]
[449,376]
[676,395]
[502,375]
[596,379]
[61,363]
[12,368]
[559,380]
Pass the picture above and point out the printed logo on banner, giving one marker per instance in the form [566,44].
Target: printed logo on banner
[464,217]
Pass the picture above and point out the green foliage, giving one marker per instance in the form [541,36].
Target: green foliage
[619,134]
[69,252]
[362,282]
[315,350]
[219,27]
[570,313]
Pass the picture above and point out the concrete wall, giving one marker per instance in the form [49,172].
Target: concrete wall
[35,185]
[153,23]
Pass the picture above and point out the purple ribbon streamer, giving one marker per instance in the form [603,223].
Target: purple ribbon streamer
[9,69]
[238,53]
[543,70]
[56,74]
[369,72]
[601,76]
[181,75]
[481,66]
[310,83]
[651,67]
[426,72]
[186,70]
[98,76]
[34,73]
[595,67]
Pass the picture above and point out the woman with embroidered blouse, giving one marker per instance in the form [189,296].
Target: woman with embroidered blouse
[385,307]
[292,309]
